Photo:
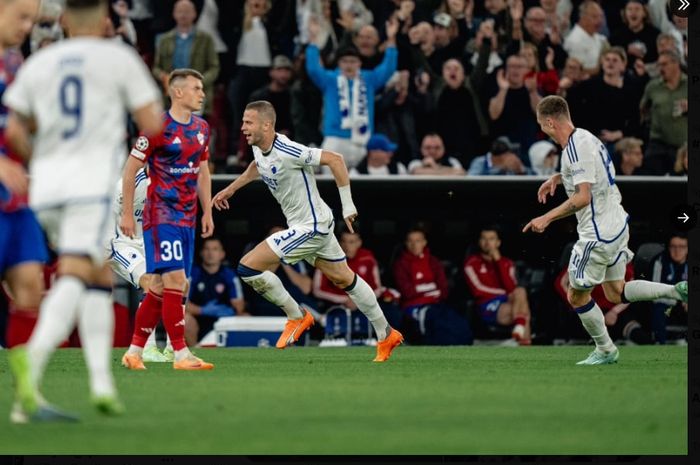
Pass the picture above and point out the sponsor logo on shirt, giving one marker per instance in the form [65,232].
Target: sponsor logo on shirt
[189,169]
[578,171]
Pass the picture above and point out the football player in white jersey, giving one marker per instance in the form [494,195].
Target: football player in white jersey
[127,257]
[288,170]
[74,97]
[600,255]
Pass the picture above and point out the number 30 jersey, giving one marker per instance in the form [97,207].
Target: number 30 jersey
[585,159]
[79,91]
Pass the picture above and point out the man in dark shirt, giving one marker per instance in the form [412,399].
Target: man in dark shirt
[278,93]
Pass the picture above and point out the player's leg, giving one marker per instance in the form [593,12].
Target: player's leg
[587,268]
[96,328]
[521,314]
[254,269]
[147,317]
[340,274]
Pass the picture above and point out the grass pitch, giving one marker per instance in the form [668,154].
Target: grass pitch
[424,400]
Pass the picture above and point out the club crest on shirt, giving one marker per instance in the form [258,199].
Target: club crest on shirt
[308,158]
[220,288]
[200,138]
[142,143]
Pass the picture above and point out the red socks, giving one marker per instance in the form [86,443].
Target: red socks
[519,320]
[174,317]
[147,317]
[20,324]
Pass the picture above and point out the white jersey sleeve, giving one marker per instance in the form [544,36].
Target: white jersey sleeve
[142,182]
[586,159]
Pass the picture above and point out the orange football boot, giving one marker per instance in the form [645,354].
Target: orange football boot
[133,361]
[192,363]
[293,330]
[385,347]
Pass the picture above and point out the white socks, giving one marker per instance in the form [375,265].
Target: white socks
[363,296]
[57,318]
[96,327]
[593,321]
[639,290]
[268,285]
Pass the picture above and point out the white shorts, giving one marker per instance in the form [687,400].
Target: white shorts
[595,262]
[128,260]
[79,228]
[301,243]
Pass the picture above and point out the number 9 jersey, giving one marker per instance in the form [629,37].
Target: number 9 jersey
[79,92]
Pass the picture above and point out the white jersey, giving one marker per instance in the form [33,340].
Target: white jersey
[288,171]
[79,91]
[142,182]
[585,159]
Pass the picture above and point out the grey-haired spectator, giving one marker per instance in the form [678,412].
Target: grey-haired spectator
[535,31]
[665,104]
[277,92]
[544,158]
[186,47]
[348,95]
[434,160]
[584,42]
[629,157]
[47,29]
[380,158]
[571,76]
[501,159]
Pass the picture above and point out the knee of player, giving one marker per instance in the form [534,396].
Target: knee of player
[519,293]
[577,298]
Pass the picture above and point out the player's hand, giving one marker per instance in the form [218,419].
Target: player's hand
[13,176]
[537,225]
[220,200]
[549,187]
[349,221]
[127,224]
[207,225]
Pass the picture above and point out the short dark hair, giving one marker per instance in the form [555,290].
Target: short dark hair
[184,73]
[264,109]
[553,106]
[678,234]
[84,4]
[212,238]
[491,227]
[417,229]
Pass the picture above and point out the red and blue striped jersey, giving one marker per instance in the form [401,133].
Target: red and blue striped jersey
[173,160]
[9,65]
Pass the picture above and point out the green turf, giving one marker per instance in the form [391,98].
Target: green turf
[474,400]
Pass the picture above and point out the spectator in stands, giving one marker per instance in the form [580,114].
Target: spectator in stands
[458,114]
[485,38]
[547,79]
[450,38]
[395,110]
[670,267]
[557,17]
[379,159]
[296,280]
[664,42]
[366,40]
[629,157]
[421,280]
[513,105]
[47,28]
[572,76]
[186,47]
[319,12]
[618,92]
[665,103]
[278,93]
[306,106]
[543,38]
[638,36]
[361,261]
[680,167]
[544,158]
[215,292]
[120,26]
[434,161]
[348,95]
[584,42]
[491,279]
[501,159]
[354,14]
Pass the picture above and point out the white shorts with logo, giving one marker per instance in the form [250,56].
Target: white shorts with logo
[302,243]
[78,227]
[127,259]
[595,262]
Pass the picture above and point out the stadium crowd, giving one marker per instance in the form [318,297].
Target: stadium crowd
[464,75]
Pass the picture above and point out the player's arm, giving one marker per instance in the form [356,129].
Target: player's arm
[127,222]
[19,132]
[148,119]
[579,200]
[13,176]
[342,179]
[220,200]
[204,194]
